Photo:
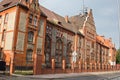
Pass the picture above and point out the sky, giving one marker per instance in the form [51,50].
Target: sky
[105,14]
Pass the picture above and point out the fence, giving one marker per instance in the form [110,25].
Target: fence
[21,66]
[79,70]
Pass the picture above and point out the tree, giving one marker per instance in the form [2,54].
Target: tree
[118,57]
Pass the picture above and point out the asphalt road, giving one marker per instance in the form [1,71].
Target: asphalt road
[107,76]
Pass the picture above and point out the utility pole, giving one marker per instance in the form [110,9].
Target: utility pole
[83,7]
[118,4]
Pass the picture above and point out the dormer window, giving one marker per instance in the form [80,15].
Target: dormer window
[34,1]
[59,22]
[27,1]
[6,5]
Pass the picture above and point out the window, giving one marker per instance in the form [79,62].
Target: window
[49,30]
[69,52]
[30,18]
[3,35]
[6,18]
[30,36]
[79,40]
[1,53]
[6,4]
[92,44]
[48,51]
[97,57]
[58,55]
[27,0]
[35,20]
[69,49]
[92,56]
[41,27]
[0,21]
[34,1]
[29,55]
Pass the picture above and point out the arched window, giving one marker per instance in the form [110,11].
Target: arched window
[59,53]
[48,51]
[69,47]
[69,52]
[29,55]
[30,36]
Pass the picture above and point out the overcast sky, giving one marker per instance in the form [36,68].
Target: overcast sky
[105,14]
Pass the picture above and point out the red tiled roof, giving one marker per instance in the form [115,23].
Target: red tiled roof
[8,4]
[105,42]
[78,20]
[51,16]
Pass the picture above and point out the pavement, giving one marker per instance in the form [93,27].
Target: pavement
[53,76]
[111,75]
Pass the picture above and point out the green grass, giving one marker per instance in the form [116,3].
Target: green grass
[30,72]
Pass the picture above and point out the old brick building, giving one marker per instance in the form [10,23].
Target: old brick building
[33,36]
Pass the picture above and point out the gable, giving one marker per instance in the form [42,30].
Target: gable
[34,5]
[90,20]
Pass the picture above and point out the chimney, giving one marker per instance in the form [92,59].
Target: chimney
[66,19]
[103,36]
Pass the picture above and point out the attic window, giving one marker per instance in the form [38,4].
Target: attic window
[27,1]
[56,21]
[6,5]
[59,22]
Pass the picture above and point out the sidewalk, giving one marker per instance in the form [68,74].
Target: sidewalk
[50,76]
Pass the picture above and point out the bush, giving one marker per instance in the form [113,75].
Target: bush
[118,57]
